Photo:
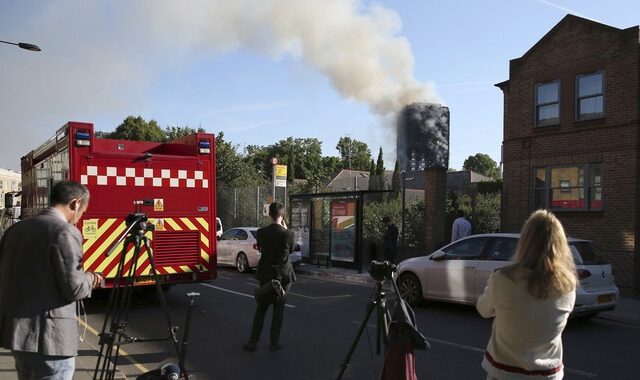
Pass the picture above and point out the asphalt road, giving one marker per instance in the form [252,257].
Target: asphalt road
[321,321]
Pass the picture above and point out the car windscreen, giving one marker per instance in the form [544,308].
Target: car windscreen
[254,233]
[585,253]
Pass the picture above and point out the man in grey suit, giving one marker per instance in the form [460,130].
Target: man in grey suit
[275,242]
[41,277]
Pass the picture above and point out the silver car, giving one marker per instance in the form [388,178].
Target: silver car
[459,272]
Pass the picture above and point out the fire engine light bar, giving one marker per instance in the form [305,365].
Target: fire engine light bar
[83,138]
[205,146]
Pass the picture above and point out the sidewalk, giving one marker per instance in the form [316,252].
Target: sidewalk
[85,363]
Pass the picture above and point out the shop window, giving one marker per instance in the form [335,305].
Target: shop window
[547,104]
[590,96]
[564,187]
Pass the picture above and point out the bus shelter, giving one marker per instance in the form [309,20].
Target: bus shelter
[329,226]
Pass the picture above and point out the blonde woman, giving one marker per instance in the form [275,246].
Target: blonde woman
[531,301]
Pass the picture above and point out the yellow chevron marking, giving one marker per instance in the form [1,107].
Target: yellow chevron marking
[188,223]
[173,224]
[203,223]
[106,244]
[169,270]
[185,268]
[105,226]
[142,259]
[204,240]
[114,271]
[204,255]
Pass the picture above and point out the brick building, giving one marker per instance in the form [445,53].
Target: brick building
[571,141]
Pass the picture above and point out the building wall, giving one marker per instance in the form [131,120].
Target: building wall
[577,46]
[10,180]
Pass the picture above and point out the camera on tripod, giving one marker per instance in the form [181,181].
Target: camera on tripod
[140,222]
[381,271]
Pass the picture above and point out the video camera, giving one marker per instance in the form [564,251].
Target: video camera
[140,220]
[381,271]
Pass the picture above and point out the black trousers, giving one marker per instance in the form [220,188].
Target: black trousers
[276,319]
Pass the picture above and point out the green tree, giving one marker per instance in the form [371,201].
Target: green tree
[379,182]
[231,169]
[482,164]
[380,163]
[138,129]
[330,166]
[173,133]
[355,155]
[396,180]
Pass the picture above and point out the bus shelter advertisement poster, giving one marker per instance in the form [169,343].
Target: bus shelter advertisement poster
[343,230]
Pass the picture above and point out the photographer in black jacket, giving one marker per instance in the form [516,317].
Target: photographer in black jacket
[275,243]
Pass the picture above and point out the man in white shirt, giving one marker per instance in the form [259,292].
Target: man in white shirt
[461,227]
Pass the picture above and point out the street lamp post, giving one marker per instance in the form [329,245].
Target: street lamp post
[403,179]
[402,174]
[23,45]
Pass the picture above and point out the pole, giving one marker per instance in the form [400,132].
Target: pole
[258,205]
[273,182]
[402,174]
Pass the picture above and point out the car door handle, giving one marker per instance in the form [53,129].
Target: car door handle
[470,266]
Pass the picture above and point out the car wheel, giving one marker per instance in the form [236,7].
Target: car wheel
[410,289]
[242,263]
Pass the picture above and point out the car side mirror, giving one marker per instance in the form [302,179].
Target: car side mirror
[438,256]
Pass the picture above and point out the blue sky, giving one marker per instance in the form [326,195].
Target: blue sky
[178,63]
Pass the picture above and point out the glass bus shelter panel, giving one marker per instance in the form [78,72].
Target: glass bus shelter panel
[343,230]
[300,225]
[320,228]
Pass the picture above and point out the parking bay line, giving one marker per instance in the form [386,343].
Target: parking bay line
[320,297]
[234,292]
[481,350]
[123,353]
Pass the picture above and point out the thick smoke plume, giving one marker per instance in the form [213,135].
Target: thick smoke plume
[355,45]
[423,137]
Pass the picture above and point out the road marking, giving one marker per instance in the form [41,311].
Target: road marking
[123,353]
[237,293]
[477,349]
[481,350]
[321,297]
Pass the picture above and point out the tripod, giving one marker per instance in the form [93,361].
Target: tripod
[379,304]
[114,333]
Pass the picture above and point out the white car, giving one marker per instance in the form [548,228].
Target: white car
[459,272]
[239,247]
[218,228]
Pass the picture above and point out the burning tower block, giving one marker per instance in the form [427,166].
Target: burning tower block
[423,137]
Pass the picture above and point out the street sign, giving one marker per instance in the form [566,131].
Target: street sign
[281,176]
[281,171]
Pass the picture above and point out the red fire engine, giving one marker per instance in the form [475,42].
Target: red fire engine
[178,176]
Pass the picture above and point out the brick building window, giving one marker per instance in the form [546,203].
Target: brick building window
[547,104]
[590,99]
[564,187]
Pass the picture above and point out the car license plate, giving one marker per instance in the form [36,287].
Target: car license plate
[605,298]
